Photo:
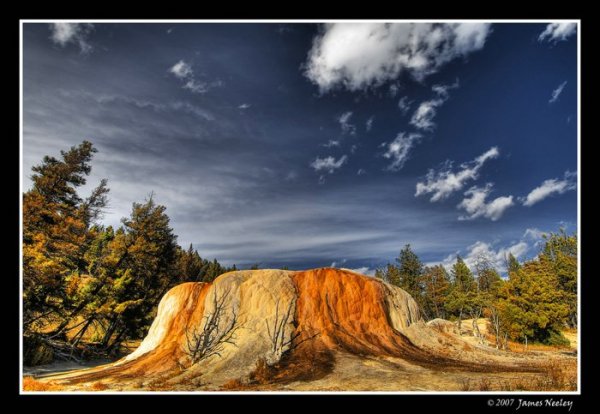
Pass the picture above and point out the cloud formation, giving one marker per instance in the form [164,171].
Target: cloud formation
[426,111]
[331,143]
[404,105]
[358,56]
[184,72]
[362,270]
[442,183]
[398,150]
[328,164]
[556,32]
[550,187]
[369,123]
[344,120]
[556,92]
[496,256]
[244,106]
[476,206]
[64,34]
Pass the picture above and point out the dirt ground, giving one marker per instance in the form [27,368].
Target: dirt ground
[355,373]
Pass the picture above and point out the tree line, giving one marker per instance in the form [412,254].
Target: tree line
[536,301]
[80,276]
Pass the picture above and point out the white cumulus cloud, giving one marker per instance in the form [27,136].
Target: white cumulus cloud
[399,149]
[555,32]
[497,257]
[550,187]
[426,111]
[328,164]
[442,183]
[184,72]
[556,92]
[423,116]
[357,56]
[475,204]
[244,106]
[63,34]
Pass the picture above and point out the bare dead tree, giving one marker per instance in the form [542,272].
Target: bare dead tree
[277,333]
[495,319]
[475,315]
[211,338]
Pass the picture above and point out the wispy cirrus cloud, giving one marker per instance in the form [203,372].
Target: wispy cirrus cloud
[358,56]
[556,32]
[399,149]
[369,124]
[331,143]
[475,204]
[551,187]
[442,183]
[328,164]
[63,34]
[557,92]
[404,105]
[344,121]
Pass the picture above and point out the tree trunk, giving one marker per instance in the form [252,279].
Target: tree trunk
[476,332]
[496,324]
[117,340]
[82,331]
[109,331]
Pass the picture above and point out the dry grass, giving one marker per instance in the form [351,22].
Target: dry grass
[514,385]
[263,373]
[31,384]
[484,385]
[160,383]
[554,376]
[519,348]
[233,385]
[557,377]
[99,386]
[465,384]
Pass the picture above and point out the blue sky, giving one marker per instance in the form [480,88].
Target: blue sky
[307,145]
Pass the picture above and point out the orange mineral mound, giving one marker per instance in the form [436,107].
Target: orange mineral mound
[282,326]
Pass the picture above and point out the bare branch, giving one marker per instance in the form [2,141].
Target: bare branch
[210,339]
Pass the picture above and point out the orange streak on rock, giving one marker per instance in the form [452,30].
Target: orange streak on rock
[187,300]
[346,311]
